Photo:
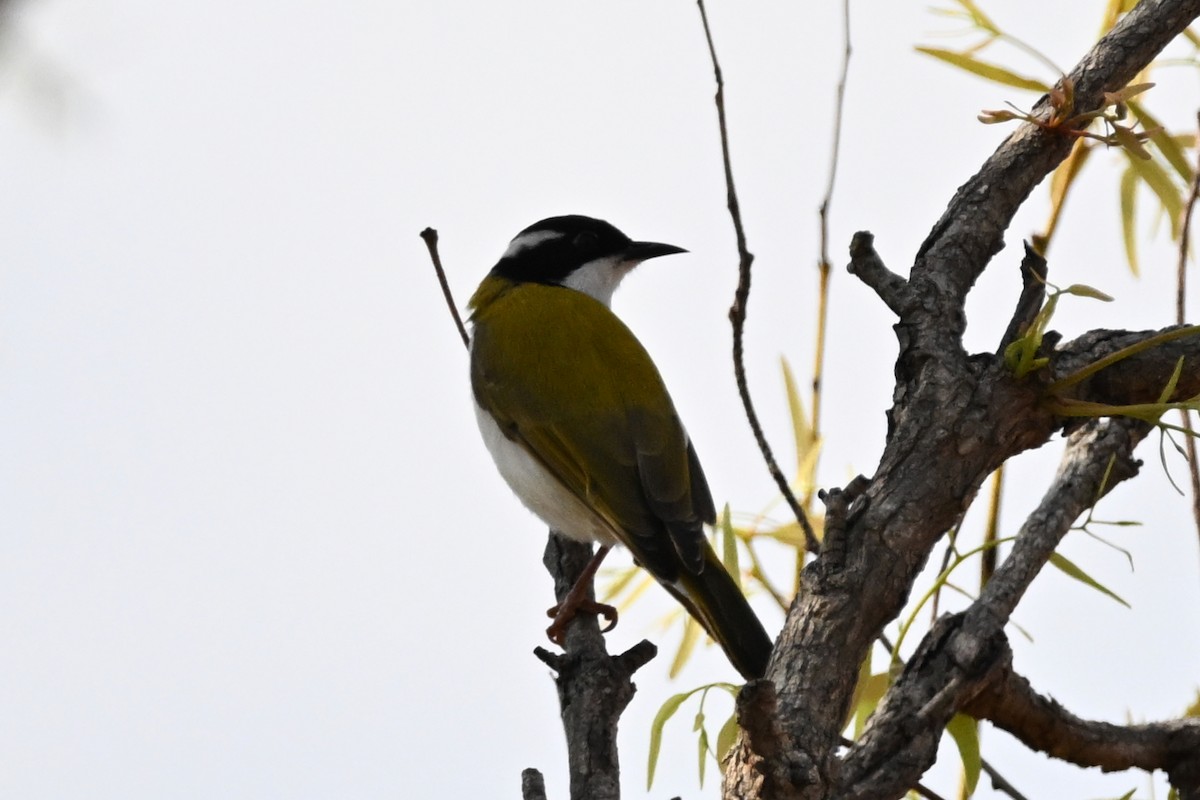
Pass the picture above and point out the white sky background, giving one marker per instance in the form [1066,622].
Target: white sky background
[251,545]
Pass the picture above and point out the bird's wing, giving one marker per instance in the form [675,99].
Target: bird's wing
[616,445]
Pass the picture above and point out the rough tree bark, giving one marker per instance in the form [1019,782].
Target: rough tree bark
[956,417]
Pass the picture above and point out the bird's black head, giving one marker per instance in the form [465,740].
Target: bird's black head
[553,250]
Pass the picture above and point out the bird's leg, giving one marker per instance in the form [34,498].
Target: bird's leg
[577,601]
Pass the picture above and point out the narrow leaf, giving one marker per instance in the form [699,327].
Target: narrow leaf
[870,692]
[667,711]
[1130,141]
[1169,389]
[965,732]
[1129,217]
[1194,709]
[800,424]
[1083,290]
[1069,567]
[979,18]
[1061,182]
[691,635]
[726,737]
[1126,94]
[702,753]
[1163,187]
[1167,144]
[991,72]
[729,551]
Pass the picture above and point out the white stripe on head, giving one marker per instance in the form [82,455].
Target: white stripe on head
[527,240]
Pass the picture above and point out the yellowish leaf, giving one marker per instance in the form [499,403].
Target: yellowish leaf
[1126,94]
[1130,141]
[1170,195]
[1083,290]
[983,69]
[687,645]
[964,731]
[1168,145]
[1070,568]
[1128,194]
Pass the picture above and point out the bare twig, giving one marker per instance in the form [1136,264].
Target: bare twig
[866,265]
[737,313]
[431,241]
[999,782]
[1180,318]
[825,266]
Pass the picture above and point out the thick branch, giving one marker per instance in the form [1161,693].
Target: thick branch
[972,228]
[1140,378]
[961,652]
[955,418]
[1011,704]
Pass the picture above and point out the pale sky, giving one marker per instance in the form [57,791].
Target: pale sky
[251,545]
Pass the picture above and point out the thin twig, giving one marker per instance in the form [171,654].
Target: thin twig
[999,783]
[431,240]
[1180,309]
[825,267]
[737,313]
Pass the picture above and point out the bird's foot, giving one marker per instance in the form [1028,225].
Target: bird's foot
[567,610]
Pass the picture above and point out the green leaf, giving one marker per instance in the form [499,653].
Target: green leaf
[870,691]
[1170,195]
[1194,709]
[1130,141]
[1126,94]
[691,635]
[991,72]
[1083,290]
[729,551]
[727,737]
[1069,567]
[1167,144]
[702,747]
[979,18]
[1169,389]
[800,425]
[1129,217]
[1128,795]
[965,732]
[667,711]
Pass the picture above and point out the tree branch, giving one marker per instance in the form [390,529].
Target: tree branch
[741,298]
[1011,704]
[955,419]
[962,652]
[972,228]
[593,687]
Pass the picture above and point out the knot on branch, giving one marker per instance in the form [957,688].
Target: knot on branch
[866,265]
[842,508]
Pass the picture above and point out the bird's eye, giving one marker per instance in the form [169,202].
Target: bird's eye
[586,242]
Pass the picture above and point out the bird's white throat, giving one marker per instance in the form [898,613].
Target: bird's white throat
[600,278]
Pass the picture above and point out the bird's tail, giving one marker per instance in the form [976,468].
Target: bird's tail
[715,600]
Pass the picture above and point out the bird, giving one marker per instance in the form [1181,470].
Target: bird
[580,424]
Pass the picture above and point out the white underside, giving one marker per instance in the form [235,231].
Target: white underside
[538,489]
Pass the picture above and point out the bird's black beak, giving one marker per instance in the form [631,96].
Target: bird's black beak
[640,251]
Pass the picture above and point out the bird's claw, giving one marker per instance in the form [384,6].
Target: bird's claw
[563,613]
